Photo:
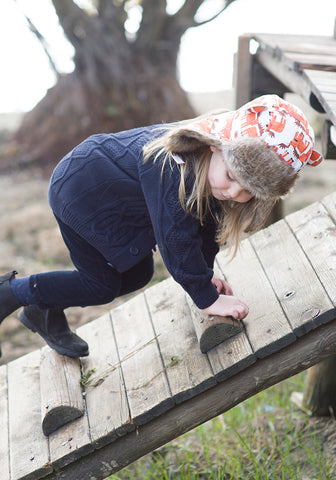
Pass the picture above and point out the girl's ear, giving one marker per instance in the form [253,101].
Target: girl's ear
[212,148]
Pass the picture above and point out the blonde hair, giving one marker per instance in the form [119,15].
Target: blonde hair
[233,218]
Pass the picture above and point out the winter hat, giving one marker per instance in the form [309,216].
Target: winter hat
[275,126]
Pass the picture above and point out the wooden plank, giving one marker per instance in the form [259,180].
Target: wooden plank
[305,352]
[311,43]
[267,329]
[325,94]
[143,370]
[293,280]
[188,371]
[294,81]
[29,455]
[325,81]
[69,443]
[105,394]
[300,61]
[329,203]
[4,446]
[316,232]
[61,394]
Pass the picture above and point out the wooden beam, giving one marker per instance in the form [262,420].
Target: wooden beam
[296,82]
[243,71]
[300,355]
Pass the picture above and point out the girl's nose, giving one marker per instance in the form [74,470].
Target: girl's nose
[235,190]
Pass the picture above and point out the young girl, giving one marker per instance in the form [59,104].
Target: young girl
[186,187]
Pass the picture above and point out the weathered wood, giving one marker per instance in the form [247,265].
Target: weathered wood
[316,232]
[267,328]
[328,146]
[70,442]
[320,389]
[105,394]
[141,363]
[29,455]
[329,202]
[61,395]
[4,446]
[302,302]
[306,351]
[301,61]
[320,83]
[188,372]
[293,80]
[211,330]
[243,71]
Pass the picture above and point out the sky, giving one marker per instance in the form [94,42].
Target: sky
[206,54]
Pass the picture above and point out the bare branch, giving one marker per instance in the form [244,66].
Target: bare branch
[75,22]
[42,41]
[228,3]
[186,14]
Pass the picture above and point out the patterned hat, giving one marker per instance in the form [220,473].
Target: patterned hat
[277,123]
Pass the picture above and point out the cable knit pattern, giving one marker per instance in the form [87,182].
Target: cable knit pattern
[121,206]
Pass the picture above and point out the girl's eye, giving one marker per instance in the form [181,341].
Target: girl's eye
[229,176]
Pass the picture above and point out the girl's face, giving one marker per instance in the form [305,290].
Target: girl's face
[222,181]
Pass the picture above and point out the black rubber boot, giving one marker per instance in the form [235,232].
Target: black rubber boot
[8,303]
[53,327]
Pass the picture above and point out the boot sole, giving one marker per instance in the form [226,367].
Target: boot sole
[63,351]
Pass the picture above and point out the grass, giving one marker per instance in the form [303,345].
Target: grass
[264,438]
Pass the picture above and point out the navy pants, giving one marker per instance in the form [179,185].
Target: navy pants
[94,282]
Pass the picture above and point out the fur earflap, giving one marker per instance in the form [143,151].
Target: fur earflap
[187,140]
[258,168]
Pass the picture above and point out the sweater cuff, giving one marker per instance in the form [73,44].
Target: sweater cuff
[204,297]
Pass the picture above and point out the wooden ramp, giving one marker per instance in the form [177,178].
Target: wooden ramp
[303,64]
[146,380]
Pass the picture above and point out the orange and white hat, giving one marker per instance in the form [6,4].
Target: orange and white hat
[279,124]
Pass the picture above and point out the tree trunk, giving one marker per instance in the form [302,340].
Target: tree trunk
[71,111]
[116,85]
[320,392]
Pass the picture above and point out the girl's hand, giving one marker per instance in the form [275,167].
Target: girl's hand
[226,306]
[221,285]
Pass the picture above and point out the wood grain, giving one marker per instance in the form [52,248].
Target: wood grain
[29,452]
[144,374]
[61,395]
[105,394]
[4,446]
[188,371]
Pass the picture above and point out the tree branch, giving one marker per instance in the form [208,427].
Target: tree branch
[228,3]
[112,14]
[75,22]
[42,41]
[185,16]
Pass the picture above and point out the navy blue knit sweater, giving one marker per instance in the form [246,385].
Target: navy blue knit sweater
[124,207]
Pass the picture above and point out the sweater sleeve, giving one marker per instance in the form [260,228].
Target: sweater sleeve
[177,233]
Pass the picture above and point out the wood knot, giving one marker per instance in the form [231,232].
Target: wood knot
[290,294]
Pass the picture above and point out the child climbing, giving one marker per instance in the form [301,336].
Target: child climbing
[186,187]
